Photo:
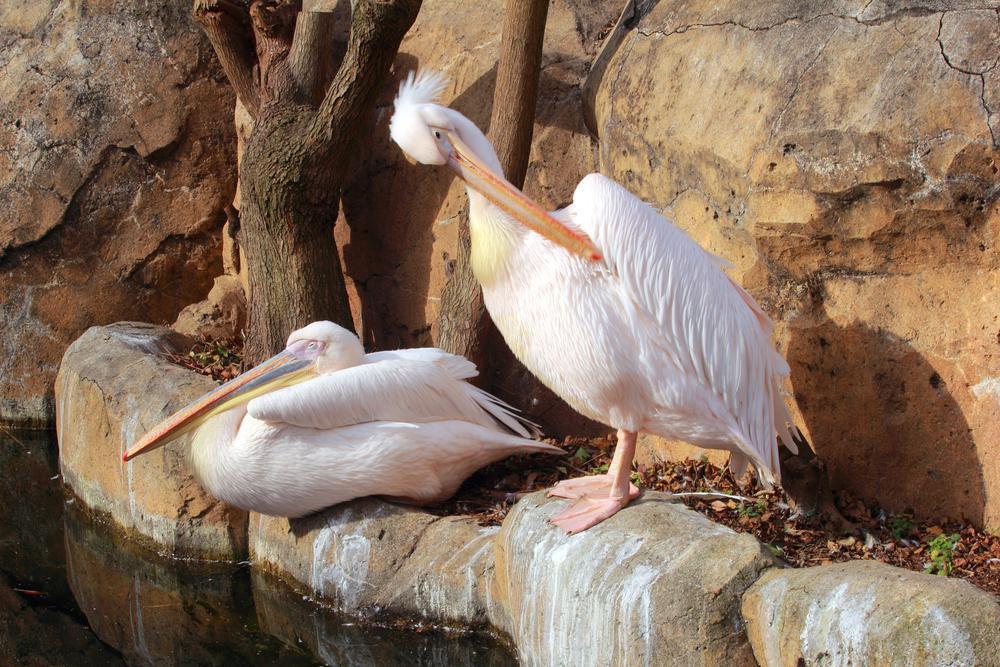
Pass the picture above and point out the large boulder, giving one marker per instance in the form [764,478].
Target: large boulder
[656,584]
[616,594]
[866,613]
[114,384]
[844,158]
[116,151]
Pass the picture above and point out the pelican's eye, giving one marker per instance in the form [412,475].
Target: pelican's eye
[437,134]
[311,346]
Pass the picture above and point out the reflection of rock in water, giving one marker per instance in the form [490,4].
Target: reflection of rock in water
[30,532]
[337,641]
[41,636]
[165,612]
[168,612]
[37,628]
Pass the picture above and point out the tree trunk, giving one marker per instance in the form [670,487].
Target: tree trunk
[464,326]
[287,222]
[306,127]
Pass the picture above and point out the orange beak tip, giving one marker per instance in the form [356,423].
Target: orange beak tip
[596,256]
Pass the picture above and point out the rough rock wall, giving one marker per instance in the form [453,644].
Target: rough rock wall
[844,157]
[116,153]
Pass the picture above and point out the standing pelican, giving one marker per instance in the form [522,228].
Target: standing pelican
[322,422]
[613,308]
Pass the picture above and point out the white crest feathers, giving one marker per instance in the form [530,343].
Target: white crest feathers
[420,88]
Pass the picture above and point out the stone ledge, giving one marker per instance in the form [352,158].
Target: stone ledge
[656,584]
[112,386]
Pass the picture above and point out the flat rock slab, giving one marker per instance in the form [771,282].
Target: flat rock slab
[369,556]
[114,384]
[657,584]
[867,613]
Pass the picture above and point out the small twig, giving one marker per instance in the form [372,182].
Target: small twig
[11,435]
[710,494]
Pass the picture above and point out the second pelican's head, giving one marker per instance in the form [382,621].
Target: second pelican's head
[316,349]
[433,134]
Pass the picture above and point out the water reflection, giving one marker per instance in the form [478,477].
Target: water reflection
[71,592]
[281,613]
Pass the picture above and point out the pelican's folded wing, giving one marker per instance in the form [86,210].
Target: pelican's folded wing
[391,389]
[711,328]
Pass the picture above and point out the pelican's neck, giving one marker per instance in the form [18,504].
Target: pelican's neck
[493,235]
[209,445]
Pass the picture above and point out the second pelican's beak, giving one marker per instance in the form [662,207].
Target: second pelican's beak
[281,370]
[504,194]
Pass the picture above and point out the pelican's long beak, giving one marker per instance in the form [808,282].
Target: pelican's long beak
[508,197]
[281,370]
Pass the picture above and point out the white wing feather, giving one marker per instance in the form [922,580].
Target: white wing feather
[418,386]
[711,327]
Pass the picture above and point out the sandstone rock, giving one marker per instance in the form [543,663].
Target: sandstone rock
[655,584]
[113,385]
[222,315]
[371,557]
[116,150]
[344,554]
[866,613]
[447,577]
[843,156]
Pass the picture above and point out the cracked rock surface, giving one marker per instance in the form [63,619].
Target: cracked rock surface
[843,156]
[116,154]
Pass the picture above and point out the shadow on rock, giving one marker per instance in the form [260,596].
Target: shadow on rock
[885,422]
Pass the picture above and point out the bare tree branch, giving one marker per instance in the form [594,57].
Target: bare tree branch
[273,27]
[377,28]
[227,25]
[311,59]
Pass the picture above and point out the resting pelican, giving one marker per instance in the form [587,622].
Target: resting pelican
[615,309]
[322,422]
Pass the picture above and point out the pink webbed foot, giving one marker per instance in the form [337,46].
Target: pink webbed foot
[594,485]
[588,511]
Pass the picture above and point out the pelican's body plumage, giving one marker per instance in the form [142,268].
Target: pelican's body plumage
[654,338]
[402,424]
[614,308]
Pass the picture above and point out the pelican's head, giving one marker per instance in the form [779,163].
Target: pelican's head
[330,346]
[432,134]
[419,125]
[321,347]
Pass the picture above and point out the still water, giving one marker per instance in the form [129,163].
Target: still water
[72,593]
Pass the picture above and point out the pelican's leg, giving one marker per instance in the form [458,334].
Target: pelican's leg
[590,510]
[594,486]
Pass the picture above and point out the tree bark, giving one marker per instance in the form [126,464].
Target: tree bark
[516,93]
[296,159]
